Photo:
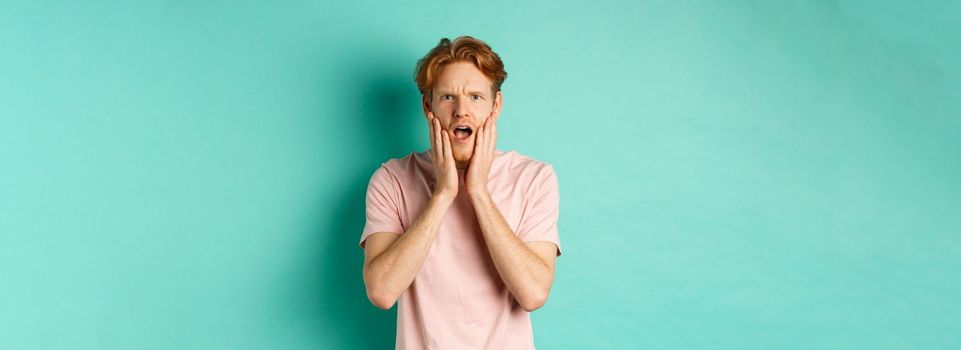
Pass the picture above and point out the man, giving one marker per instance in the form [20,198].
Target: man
[463,234]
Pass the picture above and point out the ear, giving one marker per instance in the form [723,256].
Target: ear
[498,102]
[425,104]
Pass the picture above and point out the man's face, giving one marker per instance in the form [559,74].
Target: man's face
[462,97]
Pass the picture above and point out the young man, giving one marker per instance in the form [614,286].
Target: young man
[465,235]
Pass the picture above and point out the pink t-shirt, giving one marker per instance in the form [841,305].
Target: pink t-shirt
[458,300]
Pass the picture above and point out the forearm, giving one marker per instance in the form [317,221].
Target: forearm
[391,272]
[524,273]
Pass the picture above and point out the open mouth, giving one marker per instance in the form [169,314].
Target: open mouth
[462,132]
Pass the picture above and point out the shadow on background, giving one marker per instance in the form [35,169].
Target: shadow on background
[385,127]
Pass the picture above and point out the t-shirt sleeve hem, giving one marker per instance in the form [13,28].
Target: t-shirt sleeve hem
[366,234]
[549,241]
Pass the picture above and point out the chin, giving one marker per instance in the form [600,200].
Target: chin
[463,157]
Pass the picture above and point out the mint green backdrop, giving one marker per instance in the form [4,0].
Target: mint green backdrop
[745,175]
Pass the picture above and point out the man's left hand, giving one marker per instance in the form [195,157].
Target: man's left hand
[480,162]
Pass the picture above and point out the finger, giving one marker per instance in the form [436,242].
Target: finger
[487,140]
[438,140]
[448,154]
[430,128]
[487,129]
[487,133]
[437,136]
[486,137]
[443,145]
[480,144]
[493,139]
[479,139]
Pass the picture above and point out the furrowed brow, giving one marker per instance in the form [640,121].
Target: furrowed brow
[441,92]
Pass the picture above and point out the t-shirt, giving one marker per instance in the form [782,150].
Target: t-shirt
[458,300]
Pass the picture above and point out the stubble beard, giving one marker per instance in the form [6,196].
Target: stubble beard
[463,156]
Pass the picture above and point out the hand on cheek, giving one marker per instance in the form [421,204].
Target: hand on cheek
[445,173]
[480,164]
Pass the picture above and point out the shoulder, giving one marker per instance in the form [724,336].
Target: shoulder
[526,166]
[398,170]
[527,171]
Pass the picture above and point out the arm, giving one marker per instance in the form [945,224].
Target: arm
[391,263]
[527,269]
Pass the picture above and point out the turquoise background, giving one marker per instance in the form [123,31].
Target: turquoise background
[734,175]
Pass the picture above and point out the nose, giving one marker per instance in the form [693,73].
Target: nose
[460,109]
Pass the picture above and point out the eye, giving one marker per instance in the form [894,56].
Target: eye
[477,97]
[446,97]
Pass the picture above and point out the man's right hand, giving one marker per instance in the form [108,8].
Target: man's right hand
[391,259]
[445,172]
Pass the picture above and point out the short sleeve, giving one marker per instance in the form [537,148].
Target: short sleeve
[539,221]
[382,205]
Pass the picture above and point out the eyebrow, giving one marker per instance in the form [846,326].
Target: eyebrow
[448,92]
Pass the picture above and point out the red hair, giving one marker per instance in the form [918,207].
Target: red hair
[462,49]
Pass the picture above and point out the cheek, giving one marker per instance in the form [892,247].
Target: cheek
[489,111]
[444,117]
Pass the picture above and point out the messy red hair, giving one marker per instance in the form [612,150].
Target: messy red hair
[462,49]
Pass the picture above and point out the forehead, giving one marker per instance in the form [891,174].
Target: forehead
[461,75]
